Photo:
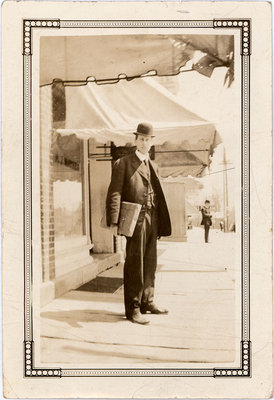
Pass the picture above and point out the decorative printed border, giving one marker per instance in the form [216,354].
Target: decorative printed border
[31,371]
[244,370]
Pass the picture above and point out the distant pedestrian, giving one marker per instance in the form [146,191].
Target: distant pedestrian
[222,225]
[206,220]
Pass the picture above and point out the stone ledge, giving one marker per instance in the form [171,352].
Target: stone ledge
[73,279]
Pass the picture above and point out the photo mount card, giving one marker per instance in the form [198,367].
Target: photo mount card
[59,342]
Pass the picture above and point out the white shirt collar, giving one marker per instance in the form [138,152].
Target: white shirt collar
[141,156]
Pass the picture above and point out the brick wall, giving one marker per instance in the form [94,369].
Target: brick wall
[52,116]
[46,185]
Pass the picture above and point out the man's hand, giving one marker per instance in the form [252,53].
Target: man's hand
[114,229]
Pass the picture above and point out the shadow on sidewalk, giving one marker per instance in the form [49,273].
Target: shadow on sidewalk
[74,317]
[92,297]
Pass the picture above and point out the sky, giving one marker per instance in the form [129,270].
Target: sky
[210,99]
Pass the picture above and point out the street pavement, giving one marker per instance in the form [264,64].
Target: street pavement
[196,281]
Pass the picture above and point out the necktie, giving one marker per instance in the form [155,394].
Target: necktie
[147,167]
[150,199]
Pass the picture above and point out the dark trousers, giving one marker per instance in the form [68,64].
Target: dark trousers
[206,232]
[141,262]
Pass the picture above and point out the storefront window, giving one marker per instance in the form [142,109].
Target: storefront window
[68,198]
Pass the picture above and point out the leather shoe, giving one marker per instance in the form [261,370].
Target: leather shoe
[152,308]
[138,318]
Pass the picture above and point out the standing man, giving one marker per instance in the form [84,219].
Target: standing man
[206,220]
[221,225]
[135,179]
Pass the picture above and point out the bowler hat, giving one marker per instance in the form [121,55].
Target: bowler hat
[144,129]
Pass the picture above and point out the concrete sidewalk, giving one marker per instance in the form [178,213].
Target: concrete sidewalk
[195,281]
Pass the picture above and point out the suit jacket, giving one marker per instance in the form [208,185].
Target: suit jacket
[129,182]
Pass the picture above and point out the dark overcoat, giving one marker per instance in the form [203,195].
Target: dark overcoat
[129,182]
[206,217]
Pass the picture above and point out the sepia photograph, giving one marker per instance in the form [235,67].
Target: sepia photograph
[140,199]
[136,200]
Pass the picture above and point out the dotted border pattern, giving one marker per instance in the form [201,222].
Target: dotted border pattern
[245,200]
[28,25]
[244,25]
[120,372]
[31,371]
[244,371]
[27,168]
[137,24]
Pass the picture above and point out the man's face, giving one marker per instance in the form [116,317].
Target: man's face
[143,143]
